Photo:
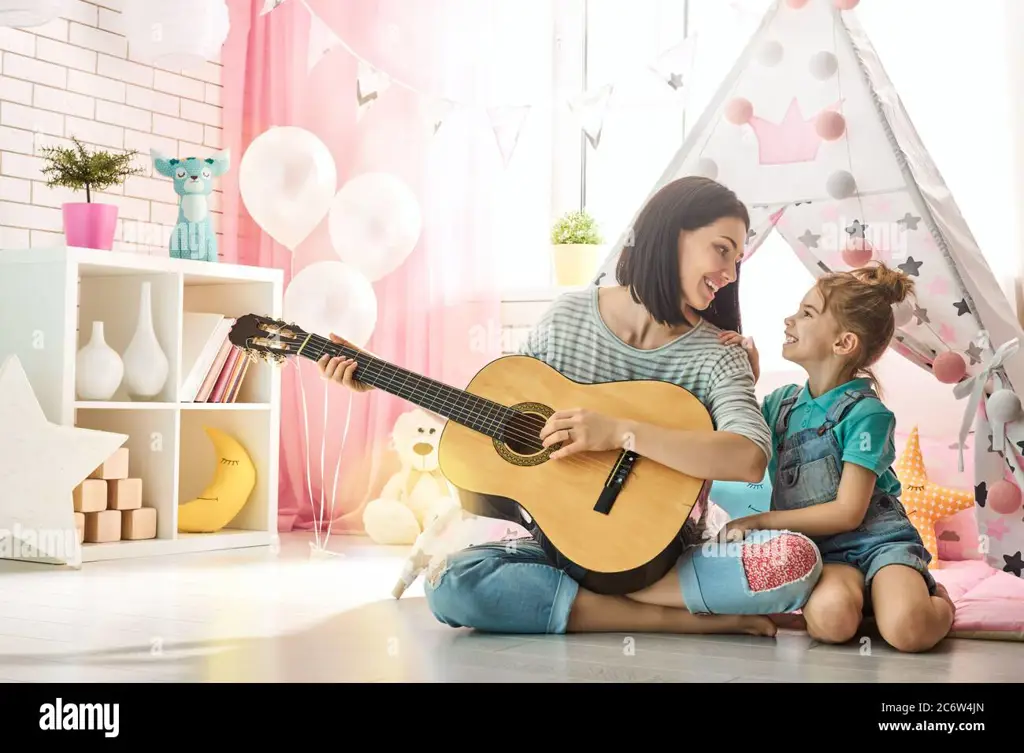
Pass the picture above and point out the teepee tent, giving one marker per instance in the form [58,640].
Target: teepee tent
[809,132]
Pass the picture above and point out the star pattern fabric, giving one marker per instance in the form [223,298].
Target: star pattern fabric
[924,501]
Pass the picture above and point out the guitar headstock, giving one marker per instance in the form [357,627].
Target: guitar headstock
[266,338]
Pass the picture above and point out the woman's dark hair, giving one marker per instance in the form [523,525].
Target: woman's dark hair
[650,268]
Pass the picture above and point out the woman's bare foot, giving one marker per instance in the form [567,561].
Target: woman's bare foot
[748,624]
[789,621]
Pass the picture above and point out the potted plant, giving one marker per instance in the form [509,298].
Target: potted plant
[88,224]
[576,241]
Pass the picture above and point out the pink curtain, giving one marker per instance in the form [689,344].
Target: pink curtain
[433,309]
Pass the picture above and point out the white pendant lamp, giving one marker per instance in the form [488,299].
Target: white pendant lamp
[179,34]
[24,14]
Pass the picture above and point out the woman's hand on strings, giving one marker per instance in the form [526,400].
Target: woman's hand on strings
[340,369]
[579,430]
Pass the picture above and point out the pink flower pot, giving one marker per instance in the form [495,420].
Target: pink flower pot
[90,225]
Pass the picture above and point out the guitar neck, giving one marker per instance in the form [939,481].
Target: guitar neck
[465,408]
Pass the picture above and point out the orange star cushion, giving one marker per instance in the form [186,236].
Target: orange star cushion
[924,501]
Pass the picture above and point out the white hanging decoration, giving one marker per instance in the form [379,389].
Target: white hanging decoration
[25,14]
[675,64]
[322,40]
[370,84]
[437,112]
[590,108]
[181,35]
[269,5]
[507,124]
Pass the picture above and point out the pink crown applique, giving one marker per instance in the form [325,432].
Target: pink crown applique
[795,139]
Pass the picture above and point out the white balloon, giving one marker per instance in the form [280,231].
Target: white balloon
[179,34]
[375,223]
[330,296]
[24,14]
[287,178]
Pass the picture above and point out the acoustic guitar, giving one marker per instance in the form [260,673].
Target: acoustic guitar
[614,517]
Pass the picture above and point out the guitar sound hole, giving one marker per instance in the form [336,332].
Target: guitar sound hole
[521,433]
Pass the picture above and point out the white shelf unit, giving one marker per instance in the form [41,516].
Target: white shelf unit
[49,298]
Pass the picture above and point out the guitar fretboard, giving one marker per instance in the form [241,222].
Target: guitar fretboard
[472,411]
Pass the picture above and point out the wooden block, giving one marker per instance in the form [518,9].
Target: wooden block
[80,525]
[116,466]
[124,494]
[90,495]
[102,526]
[139,523]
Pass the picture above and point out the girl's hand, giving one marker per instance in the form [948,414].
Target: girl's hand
[581,430]
[341,370]
[735,530]
[735,338]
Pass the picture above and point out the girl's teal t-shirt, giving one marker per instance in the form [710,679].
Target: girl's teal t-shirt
[865,434]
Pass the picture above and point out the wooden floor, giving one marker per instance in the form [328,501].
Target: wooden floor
[250,615]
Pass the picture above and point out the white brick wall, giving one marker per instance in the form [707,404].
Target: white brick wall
[78,76]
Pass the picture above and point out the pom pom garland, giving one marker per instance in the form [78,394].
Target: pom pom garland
[739,111]
[949,367]
[902,313]
[1004,497]
[830,125]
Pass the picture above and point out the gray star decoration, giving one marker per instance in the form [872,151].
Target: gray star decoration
[922,315]
[961,307]
[909,221]
[856,230]
[809,239]
[911,267]
[974,353]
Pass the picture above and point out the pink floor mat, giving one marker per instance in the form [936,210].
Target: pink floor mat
[989,602]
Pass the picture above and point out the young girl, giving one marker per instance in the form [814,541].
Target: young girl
[831,467]
[677,290]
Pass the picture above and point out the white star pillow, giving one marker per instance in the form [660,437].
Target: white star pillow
[40,465]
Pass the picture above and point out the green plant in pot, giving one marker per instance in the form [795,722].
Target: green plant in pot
[88,224]
[576,242]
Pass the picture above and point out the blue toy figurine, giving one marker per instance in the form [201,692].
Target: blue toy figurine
[193,236]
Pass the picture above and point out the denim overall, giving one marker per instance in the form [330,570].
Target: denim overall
[809,469]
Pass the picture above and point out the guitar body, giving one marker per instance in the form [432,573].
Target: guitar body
[612,520]
[633,538]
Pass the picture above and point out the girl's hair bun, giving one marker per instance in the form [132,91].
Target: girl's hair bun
[894,284]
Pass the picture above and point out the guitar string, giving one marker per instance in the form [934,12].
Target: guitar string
[492,424]
[485,421]
[505,426]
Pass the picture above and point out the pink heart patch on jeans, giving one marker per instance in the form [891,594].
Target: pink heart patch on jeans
[778,562]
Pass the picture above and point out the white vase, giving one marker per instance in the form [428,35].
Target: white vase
[98,368]
[145,365]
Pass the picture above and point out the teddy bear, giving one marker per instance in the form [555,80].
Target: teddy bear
[417,494]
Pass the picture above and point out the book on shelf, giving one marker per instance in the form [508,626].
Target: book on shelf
[213,368]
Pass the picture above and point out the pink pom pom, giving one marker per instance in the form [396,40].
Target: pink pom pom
[830,125]
[1004,497]
[858,252]
[796,4]
[846,4]
[949,367]
[739,111]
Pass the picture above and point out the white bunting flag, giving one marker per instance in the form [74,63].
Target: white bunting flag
[590,108]
[507,123]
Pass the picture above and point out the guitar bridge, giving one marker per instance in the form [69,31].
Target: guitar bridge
[615,481]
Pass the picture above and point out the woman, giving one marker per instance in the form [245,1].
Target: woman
[677,291]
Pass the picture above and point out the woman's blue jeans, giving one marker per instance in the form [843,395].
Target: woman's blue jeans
[511,586]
